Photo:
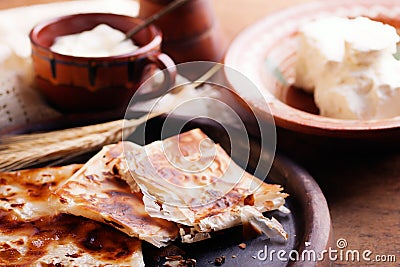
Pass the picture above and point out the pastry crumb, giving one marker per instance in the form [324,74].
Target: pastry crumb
[219,261]
[178,261]
[242,245]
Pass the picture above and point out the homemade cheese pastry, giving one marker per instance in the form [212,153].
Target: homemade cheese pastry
[190,180]
[97,192]
[65,240]
[33,233]
[26,195]
[185,180]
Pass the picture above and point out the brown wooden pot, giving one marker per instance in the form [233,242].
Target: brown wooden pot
[191,32]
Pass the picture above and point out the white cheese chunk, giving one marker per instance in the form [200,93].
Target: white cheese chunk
[350,67]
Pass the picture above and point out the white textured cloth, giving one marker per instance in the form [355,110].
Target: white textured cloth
[19,102]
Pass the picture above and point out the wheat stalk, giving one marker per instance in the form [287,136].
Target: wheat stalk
[21,151]
[32,149]
[25,150]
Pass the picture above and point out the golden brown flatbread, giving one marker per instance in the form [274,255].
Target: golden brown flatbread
[26,194]
[190,180]
[65,240]
[97,192]
[33,233]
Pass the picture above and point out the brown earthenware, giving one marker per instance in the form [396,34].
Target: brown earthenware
[266,53]
[77,84]
[191,32]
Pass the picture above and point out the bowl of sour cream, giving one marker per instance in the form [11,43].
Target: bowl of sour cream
[325,69]
[84,62]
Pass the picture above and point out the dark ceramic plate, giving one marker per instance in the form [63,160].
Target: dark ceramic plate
[308,225]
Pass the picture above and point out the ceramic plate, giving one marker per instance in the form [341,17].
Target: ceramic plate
[266,52]
[308,224]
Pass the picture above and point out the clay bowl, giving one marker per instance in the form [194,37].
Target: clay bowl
[84,84]
[266,53]
[201,39]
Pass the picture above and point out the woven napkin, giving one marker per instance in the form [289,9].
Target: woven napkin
[20,103]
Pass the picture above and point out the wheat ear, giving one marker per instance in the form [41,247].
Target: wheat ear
[21,151]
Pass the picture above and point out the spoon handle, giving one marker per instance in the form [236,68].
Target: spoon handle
[170,7]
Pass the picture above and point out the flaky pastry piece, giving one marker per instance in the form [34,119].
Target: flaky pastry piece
[34,233]
[26,194]
[97,192]
[66,240]
[190,180]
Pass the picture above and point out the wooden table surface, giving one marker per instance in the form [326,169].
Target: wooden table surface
[363,191]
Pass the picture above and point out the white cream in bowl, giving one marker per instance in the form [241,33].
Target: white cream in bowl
[101,41]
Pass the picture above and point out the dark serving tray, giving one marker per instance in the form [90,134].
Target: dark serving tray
[308,224]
